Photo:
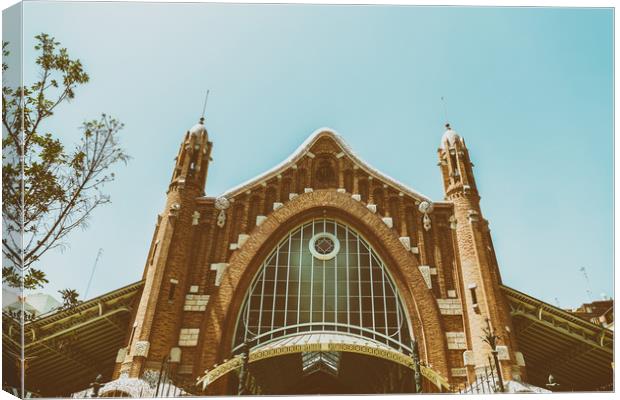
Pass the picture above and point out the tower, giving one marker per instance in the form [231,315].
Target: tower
[167,264]
[484,305]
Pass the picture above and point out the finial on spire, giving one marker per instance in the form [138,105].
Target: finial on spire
[448,127]
[204,108]
[445,109]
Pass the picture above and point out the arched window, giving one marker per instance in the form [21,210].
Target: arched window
[323,277]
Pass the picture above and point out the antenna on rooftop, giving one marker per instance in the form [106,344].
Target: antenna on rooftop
[204,107]
[445,108]
[92,273]
[585,276]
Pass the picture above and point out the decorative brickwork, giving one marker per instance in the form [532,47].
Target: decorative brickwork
[188,337]
[450,306]
[196,302]
[456,340]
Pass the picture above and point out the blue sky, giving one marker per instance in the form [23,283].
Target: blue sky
[530,89]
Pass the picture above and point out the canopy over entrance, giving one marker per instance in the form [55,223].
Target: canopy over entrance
[287,365]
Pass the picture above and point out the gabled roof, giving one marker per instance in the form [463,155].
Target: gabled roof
[67,348]
[302,151]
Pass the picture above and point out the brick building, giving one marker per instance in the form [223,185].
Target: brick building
[324,275]
[600,312]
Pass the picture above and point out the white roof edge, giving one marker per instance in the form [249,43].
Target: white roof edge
[446,202]
[303,148]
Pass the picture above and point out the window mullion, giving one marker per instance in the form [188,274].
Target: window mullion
[336,277]
[288,270]
[359,279]
[262,295]
[275,285]
[387,332]
[312,278]
[346,236]
[323,283]
[301,252]
[372,292]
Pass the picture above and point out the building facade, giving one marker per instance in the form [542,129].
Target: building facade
[321,244]
[321,275]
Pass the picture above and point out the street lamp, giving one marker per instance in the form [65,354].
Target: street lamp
[96,385]
[552,385]
[491,338]
[417,376]
[245,356]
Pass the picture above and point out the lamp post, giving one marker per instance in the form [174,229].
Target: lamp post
[245,356]
[96,385]
[417,376]
[491,338]
[552,385]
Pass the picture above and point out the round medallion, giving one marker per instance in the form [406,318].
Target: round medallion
[324,246]
[425,207]
[222,203]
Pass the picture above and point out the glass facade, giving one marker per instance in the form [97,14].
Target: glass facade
[323,277]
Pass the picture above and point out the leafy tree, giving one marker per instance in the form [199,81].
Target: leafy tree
[47,189]
[69,298]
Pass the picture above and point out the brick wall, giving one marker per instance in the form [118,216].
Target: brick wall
[199,317]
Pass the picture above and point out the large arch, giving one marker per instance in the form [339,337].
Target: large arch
[217,330]
[323,277]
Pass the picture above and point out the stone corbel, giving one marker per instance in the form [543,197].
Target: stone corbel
[174,210]
[219,268]
[468,357]
[426,208]
[452,222]
[141,348]
[502,353]
[472,216]
[222,204]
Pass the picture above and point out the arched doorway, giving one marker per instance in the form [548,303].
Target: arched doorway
[323,308]
[326,372]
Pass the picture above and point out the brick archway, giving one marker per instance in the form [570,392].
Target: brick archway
[217,330]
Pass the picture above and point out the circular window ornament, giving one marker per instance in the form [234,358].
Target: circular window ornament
[324,246]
